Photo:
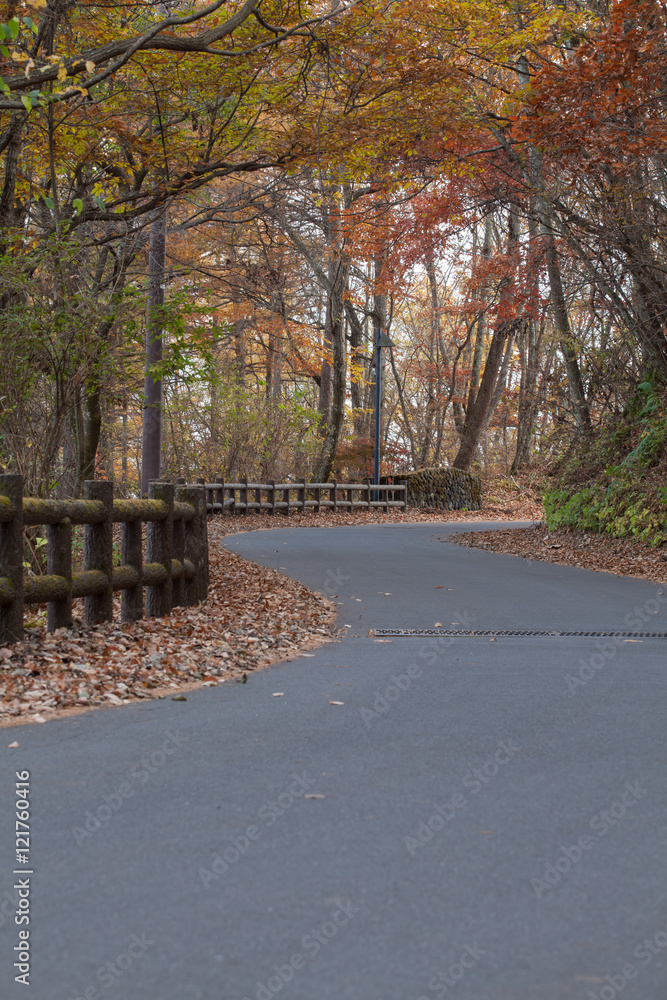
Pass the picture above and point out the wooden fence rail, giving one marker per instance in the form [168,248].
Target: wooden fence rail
[175,571]
[244,497]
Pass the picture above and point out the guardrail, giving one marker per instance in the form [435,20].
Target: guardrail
[174,574]
[245,497]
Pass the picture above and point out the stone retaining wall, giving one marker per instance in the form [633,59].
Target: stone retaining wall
[443,489]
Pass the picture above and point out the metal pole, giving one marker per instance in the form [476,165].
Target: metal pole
[378,410]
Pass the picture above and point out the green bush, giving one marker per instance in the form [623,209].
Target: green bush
[622,471]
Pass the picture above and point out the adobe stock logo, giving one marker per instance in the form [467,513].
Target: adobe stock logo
[607,650]
[601,824]
[310,946]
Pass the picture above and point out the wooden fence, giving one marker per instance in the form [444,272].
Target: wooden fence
[244,497]
[175,571]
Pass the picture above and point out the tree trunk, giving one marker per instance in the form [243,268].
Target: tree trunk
[336,324]
[582,416]
[152,415]
[483,321]
[434,334]
[326,371]
[479,413]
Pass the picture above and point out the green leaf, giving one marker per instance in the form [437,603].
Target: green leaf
[14,27]
[77,204]
[49,203]
[26,102]
[3,86]
[100,203]
[5,31]
[5,51]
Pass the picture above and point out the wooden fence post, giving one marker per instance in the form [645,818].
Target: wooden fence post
[194,588]
[317,496]
[272,496]
[11,560]
[243,493]
[334,494]
[367,484]
[178,583]
[132,599]
[301,495]
[159,549]
[98,552]
[186,494]
[203,546]
[59,563]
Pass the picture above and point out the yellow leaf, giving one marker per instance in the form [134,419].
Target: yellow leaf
[36,3]
[62,73]
[90,66]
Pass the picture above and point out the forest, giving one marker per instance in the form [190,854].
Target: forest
[212,213]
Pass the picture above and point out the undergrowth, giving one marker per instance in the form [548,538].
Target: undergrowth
[614,481]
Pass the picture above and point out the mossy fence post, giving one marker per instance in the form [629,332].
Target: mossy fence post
[196,587]
[11,559]
[159,549]
[98,552]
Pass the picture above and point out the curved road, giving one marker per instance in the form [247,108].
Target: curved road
[479,819]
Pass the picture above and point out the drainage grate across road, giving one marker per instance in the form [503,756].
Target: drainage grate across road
[523,633]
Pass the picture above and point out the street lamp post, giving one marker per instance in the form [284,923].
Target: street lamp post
[382,340]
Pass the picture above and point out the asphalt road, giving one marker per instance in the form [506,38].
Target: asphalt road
[479,820]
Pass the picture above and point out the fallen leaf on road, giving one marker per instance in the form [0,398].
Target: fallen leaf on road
[306,654]
[179,697]
[633,640]
[383,640]
[314,795]
[12,746]
[440,588]
[439,625]
[336,702]
[278,694]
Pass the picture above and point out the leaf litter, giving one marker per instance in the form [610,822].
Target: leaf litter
[253,616]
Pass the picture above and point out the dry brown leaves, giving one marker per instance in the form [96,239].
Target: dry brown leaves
[572,548]
[253,616]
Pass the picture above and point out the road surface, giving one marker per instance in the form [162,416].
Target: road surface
[478,819]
